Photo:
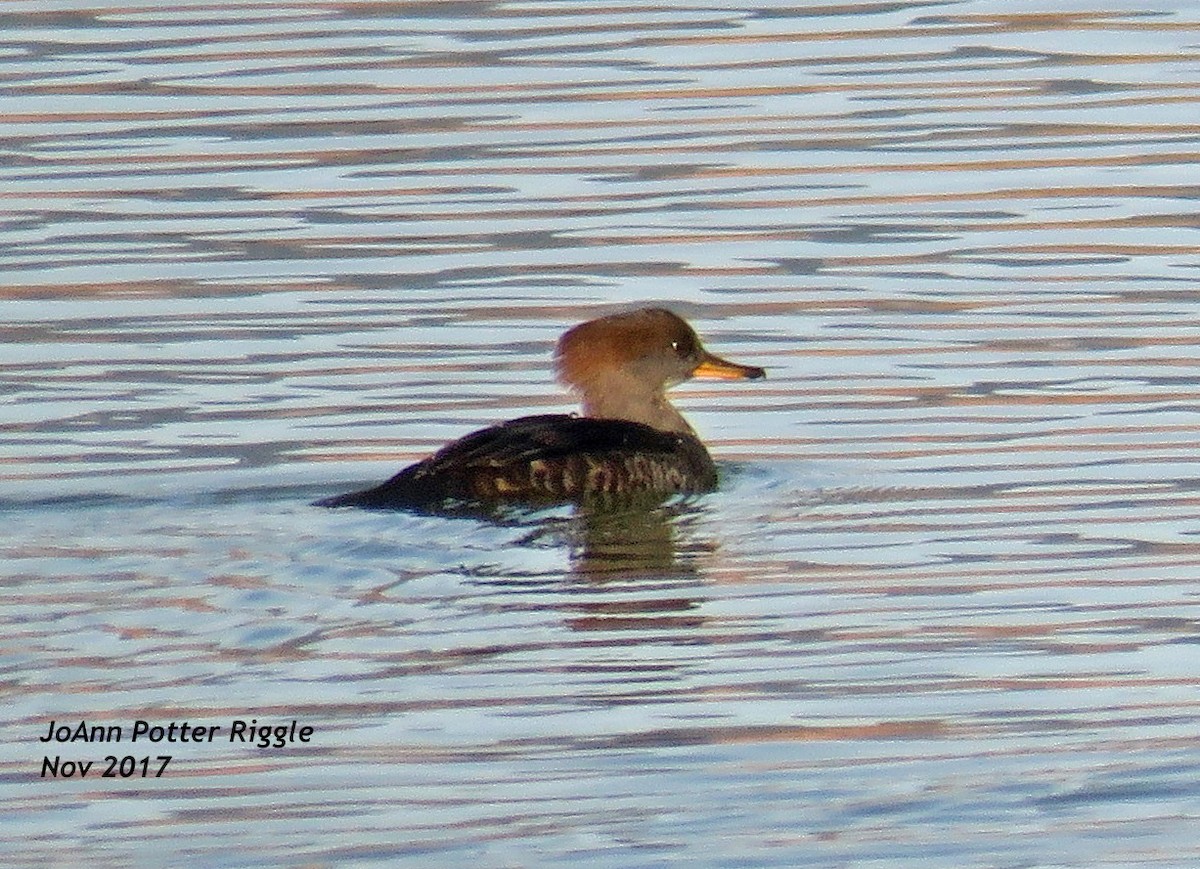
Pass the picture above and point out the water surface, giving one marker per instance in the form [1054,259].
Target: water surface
[943,610]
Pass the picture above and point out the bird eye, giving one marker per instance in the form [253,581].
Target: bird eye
[682,349]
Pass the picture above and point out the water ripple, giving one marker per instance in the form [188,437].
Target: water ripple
[939,611]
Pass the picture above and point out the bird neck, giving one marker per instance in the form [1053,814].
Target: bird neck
[613,395]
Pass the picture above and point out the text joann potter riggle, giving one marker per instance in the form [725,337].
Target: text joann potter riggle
[238,730]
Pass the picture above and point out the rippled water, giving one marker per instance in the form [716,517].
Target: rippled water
[944,609]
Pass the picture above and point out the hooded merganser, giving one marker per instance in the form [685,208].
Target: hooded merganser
[629,442]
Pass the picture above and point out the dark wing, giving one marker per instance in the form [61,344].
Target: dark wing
[547,458]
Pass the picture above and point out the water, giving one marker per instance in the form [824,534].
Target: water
[943,610]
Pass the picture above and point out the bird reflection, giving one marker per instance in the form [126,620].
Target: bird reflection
[636,565]
[645,548]
[640,541]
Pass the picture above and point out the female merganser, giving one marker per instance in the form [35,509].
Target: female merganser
[629,442]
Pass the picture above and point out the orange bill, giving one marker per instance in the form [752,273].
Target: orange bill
[715,368]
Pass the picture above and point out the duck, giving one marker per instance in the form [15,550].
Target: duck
[628,442]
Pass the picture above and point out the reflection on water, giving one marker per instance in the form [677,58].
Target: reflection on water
[943,607]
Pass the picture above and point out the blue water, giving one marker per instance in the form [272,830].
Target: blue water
[943,609]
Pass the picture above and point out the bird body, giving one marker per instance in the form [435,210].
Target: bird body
[546,459]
